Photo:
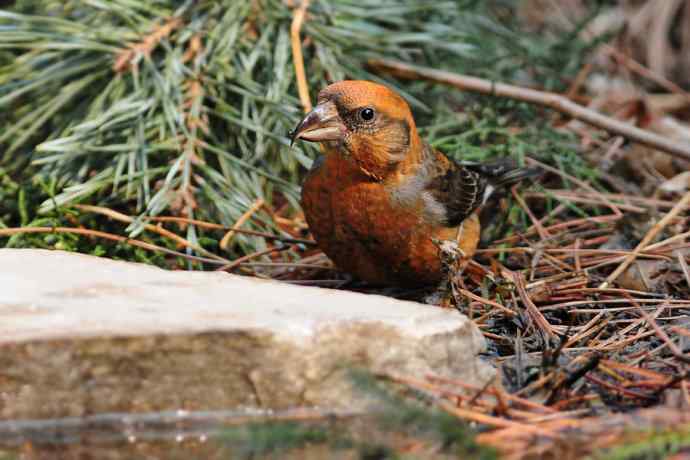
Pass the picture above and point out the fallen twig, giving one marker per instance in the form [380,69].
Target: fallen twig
[243,218]
[677,352]
[154,228]
[532,309]
[297,58]
[651,234]
[239,261]
[107,236]
[213,226]
[553,101]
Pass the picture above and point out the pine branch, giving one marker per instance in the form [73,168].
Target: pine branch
[184,107]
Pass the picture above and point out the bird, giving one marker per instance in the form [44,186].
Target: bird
[380,199]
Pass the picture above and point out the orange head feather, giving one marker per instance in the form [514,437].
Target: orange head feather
[366,121]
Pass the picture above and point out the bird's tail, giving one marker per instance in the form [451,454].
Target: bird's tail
[516,175]
[503,173]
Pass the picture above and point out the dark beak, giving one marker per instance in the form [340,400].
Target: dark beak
[320,125]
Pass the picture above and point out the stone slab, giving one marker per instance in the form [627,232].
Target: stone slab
[84,335]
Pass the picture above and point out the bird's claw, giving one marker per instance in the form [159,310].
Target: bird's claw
[449,250]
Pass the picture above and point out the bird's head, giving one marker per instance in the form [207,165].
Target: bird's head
[365,121]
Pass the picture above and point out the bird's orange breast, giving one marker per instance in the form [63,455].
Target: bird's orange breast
[358,225]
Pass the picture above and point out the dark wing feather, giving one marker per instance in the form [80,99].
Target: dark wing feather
[462,187]
[502,172]
[459,189]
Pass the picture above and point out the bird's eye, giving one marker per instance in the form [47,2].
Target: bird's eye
[367,114]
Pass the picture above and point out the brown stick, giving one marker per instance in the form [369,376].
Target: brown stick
[153,228]
[531,308]
[297,58]
[488,302]
[551,100]
[241,221]
[577,181]
[491,420]
[683,265]
[104,235]
[677,352]
[213,226]
[543,233]
[645,72]
[468,414]
[651,234]
[237,262]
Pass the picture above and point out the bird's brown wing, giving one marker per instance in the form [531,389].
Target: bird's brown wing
[459,189]
[462,187]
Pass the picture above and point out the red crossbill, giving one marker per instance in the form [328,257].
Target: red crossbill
[381,198]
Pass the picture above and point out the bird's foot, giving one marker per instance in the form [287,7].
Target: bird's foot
[451,255]
[453,262]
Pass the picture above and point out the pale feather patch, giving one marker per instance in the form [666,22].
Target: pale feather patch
[411,194]
[488,191]
[433,210]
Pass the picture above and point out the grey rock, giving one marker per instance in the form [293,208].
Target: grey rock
[85,335]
